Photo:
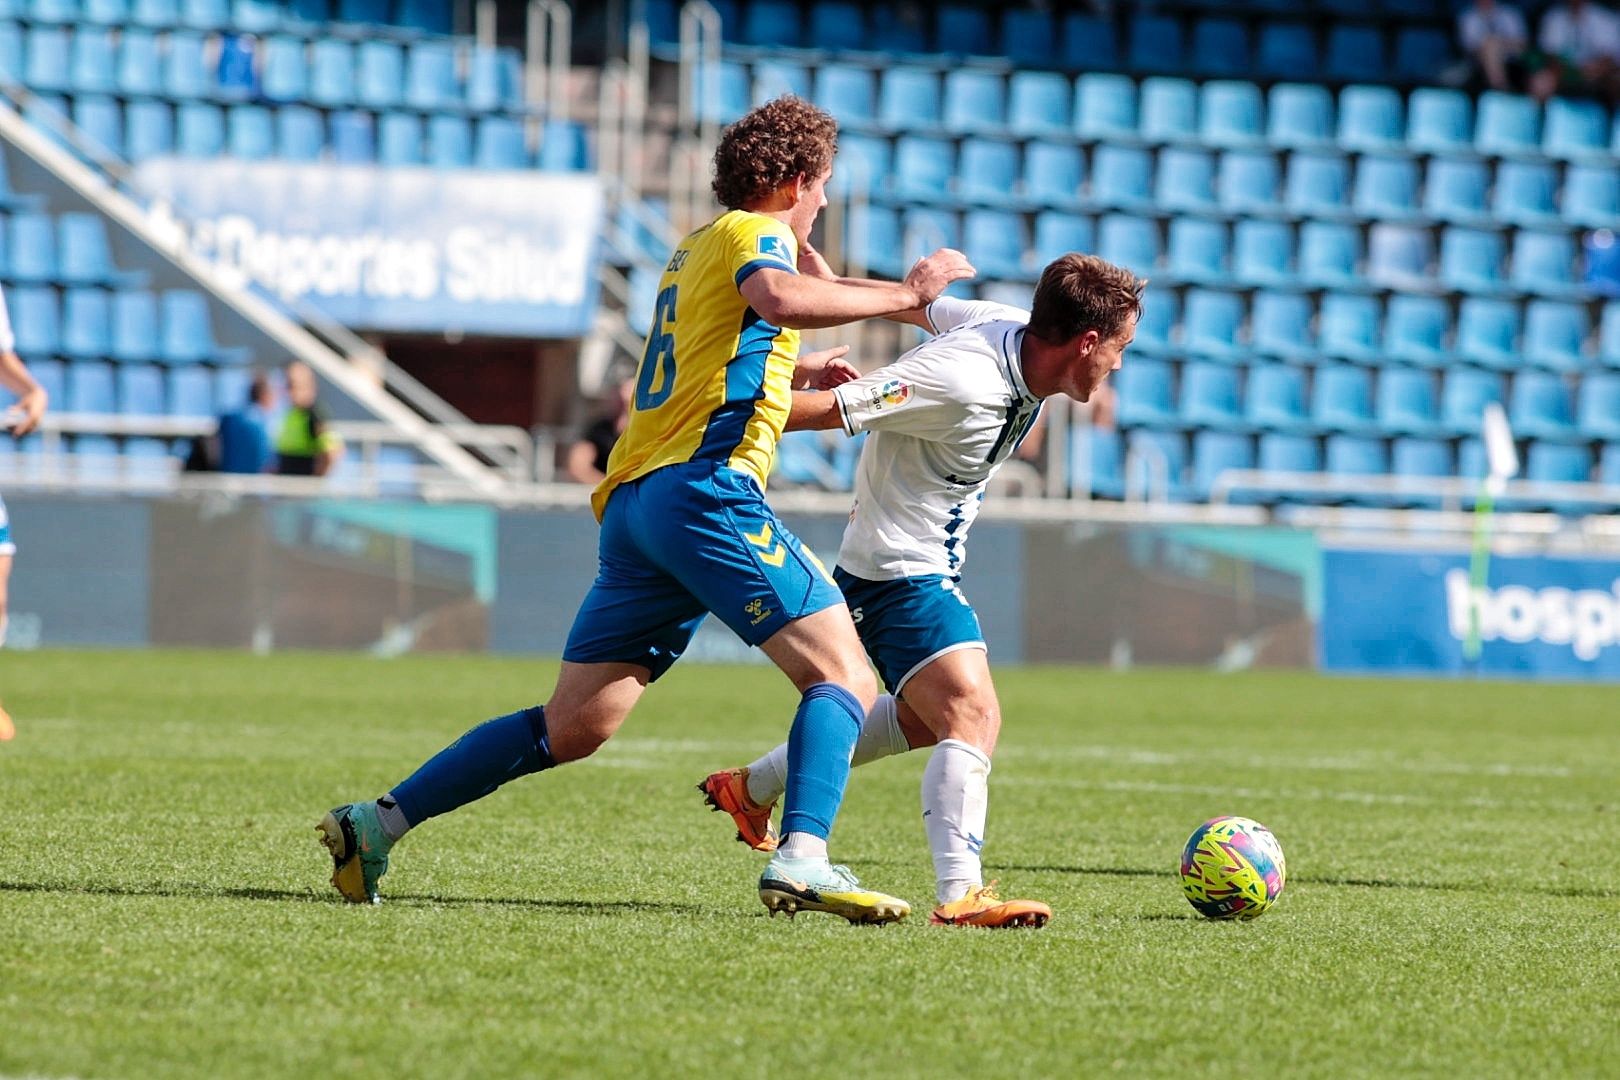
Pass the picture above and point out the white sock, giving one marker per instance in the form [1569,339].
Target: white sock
[880,737]
[803,845]
[955,801]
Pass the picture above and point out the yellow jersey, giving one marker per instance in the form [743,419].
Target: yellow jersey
[715,380]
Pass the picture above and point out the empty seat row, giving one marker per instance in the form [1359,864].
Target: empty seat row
[140,389]
[129,325]
[71,248]
[246,16]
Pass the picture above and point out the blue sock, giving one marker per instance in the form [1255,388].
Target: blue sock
[489,755]
[819,746]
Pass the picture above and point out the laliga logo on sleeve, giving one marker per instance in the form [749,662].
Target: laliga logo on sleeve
[889,395]
[775,247]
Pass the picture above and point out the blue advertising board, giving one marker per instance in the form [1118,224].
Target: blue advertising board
[402,249]
[1409,611]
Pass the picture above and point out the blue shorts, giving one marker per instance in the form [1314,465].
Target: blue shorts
[908,623]
[6,546]
[683,541]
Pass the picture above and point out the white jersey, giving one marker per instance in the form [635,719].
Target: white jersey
[942,419]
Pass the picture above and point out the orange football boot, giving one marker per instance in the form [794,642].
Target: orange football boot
[728,790]
[982,907]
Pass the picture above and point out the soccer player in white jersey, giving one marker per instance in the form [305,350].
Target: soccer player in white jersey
[942,419]
[18,419]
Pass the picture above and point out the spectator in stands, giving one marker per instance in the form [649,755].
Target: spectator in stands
[1494,40]
[588,456]
[306,446]
[244,433]
[1579,52]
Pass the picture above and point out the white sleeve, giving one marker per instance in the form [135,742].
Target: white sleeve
[8,340]
[947,313]
[918,394]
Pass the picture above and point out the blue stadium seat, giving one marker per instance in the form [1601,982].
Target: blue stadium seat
[1057,233]
[186,74]
[90,388]
[1210,398]
[1130,242]
[1555,464]
[256,16]
[1539,407]
[909,99]
[47,66]
[1406,403]
[1120,177]
[11,55]
[85,257]
[1052,173]
[1147,394]
[399,138]
[873,242]
[1028,38]
[771,24]
[1355,52]
[284,69]
[149,129]
[975,101]
[95,457]
[1276,399]
[31,254]
[1246,181]
[1156,44]
[140,72]
[1096,463]
[205,14]
[1415,330]
[1317,185]
[1287,50]
[1575,130]
[352,137]
[495,80]
[134,326]
[899,28]
[49,11]
[1471,259]
[1598,413]
[1386,187]
[1609,465]
[1280,325]
[1328,254]
[1356,455]
[187,334]
[1160,312]
[104,12]
[1341,399]
[191,392]
[1440,121]
[1168,110]
[1544,263]
[773,78]
[140,390]
[1105,107]
[249,133]
[1155,463]
[862,164]
[499,144]
[987,171]
[430,76]
[1185,180]
[925,229]
[1454,190]
[997,240]
[1370,118]
[1463,399]
[146,457]
[838,25]
[331,73]
[1197,251]
[848,92]
[1399,256]
[1210,324]
[230,387]
[1418,460]
[1090,43]
[93,66]
[102,120]
[1299,117]
[1591,195]
[564,147]
[1555,335]
[924,168]
[1508,124]
[1262,253]
[802,459]
[1488,332]
[1230,114]
[1609,335]
[1038,104]
[36,321]
[301,135]
[362,12]
[1282,453]
[1347,327]
[449,142]
[1220,47]
[1421,52]
[1216,452]
[961,30]
[1525,193]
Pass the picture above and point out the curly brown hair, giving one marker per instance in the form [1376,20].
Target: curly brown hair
[768,147]
[1079,292]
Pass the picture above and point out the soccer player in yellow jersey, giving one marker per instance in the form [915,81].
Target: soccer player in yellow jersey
[686,530]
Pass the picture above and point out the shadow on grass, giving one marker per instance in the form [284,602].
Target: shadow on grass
[188,890]
[1570,891]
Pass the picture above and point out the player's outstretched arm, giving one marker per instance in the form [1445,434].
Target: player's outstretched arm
[812,264]
[813,411]
[31,396]
[805,302]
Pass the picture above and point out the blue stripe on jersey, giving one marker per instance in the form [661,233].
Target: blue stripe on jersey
[749,267]
[745,385]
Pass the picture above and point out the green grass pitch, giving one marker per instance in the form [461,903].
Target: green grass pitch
[1452,908]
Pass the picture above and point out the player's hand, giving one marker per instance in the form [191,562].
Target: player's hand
[811,264]
[824,369]
[934,272]
[23,417]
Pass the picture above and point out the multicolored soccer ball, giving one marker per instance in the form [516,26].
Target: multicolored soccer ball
[1232,868]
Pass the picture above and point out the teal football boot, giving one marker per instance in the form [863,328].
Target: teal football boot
[359,846]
